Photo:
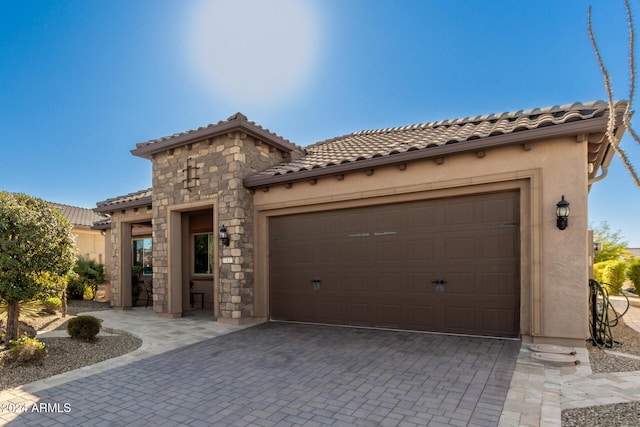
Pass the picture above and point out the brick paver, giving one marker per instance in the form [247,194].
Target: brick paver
[281,374]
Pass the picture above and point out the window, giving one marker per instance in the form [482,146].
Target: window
[142,255]
[203,253]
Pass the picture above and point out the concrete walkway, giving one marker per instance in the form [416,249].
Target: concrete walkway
[538,393]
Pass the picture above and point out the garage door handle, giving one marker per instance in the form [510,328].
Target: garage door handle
[316,283]
[439,282]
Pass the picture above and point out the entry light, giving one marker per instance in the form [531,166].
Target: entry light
[597,246]
[224,236]
[562,213]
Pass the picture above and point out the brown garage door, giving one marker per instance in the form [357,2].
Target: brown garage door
[446,265]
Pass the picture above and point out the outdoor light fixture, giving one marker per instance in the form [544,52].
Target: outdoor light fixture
[224,236]
[597,246]
[562,213]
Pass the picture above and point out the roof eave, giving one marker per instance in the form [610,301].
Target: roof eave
[146,151]
[141,202]
[565,129]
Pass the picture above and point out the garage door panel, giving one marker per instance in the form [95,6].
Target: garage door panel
[389,251]
[457,213]
[389,282]
[389,315]
[460,248]
[387,220]
[499,247]
[419,283]
[499,210]
[326,253]
[354,250]
[420,250]
[357,314]
[461,319]
[377,265]
[421,317]
[499,283]
[294,254]
[460,284]
[500,322]
[422,217]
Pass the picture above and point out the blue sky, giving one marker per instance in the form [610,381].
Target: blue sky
[81,82]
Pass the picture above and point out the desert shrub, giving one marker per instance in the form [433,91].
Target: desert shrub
[598,270]
[51,304]
[84,328]
[88,274]
[75,287]
[27,350]
[613,275]
[88,293]
[633,273]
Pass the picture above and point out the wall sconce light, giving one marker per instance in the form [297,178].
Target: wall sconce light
[597,246]
[224,236]
[562,213]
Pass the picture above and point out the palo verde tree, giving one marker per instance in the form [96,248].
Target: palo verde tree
[613,245]
[35,242]
[613,139]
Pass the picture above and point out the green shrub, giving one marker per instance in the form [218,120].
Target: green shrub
[51,304]
[75,288]
[633,273]
[598,270]
[88,293]
[84,328]
[613,275]
[27,350]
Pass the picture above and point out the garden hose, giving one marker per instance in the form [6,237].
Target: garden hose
[599,306]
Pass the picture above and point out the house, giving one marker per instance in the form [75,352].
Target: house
[90,242]
[447,227]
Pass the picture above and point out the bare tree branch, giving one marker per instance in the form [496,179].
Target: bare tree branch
[626,116]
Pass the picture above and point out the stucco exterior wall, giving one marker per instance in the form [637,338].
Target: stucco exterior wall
[220,165]
[554,262]
[90,244]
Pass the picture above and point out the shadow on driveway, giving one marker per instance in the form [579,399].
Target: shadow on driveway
[285,374]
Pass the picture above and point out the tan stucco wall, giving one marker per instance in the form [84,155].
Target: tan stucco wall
[554,263]
[90,244]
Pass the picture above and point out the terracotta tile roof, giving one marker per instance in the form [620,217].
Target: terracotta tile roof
[139,198]
[384,143]
[235,121]
[79,217]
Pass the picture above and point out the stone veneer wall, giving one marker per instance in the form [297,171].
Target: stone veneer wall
[113,264]
[222,162]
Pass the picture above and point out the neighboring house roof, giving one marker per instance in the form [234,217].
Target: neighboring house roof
[371,148]
[634,252]
[236,121]
[79,217]
[131,200]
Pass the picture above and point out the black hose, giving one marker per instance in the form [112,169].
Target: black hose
[600,324]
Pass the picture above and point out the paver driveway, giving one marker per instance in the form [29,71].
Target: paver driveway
[284,374]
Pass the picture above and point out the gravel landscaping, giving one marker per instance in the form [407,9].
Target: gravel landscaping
[64,354]
[620,414]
